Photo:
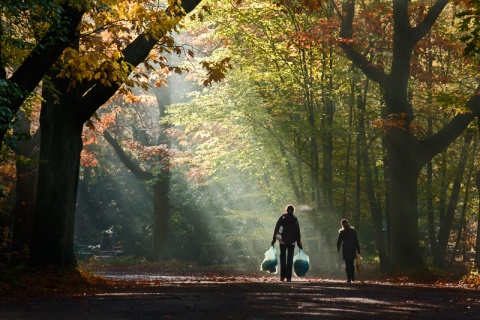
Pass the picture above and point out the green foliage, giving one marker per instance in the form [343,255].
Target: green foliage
[470,27]
[233,142]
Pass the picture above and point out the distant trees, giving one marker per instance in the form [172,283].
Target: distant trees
[285,80]
[407,155]
[342,108]
[151,140]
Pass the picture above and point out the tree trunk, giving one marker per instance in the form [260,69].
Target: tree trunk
[327,152]
[26,188]
[432,235]
[446,226]
[161,217]
[291,174]
[61,144]
[403,174]
[351,103]
[161,207]
[375,207]
[406,155]
[462,221]
[477,240]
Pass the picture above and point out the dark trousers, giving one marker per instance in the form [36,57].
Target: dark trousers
[286,260]
[350,268]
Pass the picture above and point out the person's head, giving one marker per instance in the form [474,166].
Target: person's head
[345,223]
[290,209]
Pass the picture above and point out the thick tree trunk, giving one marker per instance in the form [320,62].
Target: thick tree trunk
[403,174]
[61,144]
[26,189]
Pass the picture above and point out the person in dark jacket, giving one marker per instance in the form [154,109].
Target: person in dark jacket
[347,238]
[287,232]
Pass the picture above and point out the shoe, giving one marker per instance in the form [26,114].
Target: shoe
[349,281]
[282,279]
[289,280]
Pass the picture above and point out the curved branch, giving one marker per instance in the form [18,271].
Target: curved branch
[359,60]
[126,160]
[443,138]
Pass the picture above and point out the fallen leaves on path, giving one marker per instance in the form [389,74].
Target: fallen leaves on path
[95,278]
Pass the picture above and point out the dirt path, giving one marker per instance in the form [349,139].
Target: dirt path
[193,297]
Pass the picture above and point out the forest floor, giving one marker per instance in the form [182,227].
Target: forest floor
[178,290]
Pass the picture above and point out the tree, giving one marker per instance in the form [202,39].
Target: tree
[407,154]
[26,151]
[159,175]
[26,58]
[80,93]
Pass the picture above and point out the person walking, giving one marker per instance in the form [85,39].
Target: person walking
[287,232]
[347,238]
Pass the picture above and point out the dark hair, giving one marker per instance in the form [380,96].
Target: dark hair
[345,223]
[290,209]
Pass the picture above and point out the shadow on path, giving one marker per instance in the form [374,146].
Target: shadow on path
[320,299]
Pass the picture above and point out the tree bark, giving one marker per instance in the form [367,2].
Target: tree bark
[477,240]
[61,144]
[403,173]
[25,190]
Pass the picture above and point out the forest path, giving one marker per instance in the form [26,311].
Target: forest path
[245,297]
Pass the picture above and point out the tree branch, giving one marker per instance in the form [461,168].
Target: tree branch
[424,27]
[359,60]
[45,54]
[134,54]
[37,63]
[126,160]
[443,138]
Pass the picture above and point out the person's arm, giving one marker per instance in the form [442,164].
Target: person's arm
[299,240]
[339,241]
[277,227]
[357,244]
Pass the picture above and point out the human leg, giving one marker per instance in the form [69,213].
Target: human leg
[283,261]
[291,249]
[350,269]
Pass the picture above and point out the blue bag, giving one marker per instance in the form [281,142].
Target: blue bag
[270,262]
[301,263]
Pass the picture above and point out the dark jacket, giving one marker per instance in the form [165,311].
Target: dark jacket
[347,238]
[290,230]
